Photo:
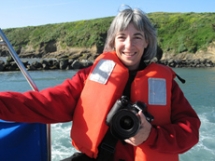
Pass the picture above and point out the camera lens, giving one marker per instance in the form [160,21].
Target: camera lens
[126,122]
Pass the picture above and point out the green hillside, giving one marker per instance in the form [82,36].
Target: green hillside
[181,32]
[177,32]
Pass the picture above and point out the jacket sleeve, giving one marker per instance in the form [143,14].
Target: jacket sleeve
[183,133]
[51,105]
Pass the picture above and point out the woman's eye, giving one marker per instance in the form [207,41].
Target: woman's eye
[138,37]
[121,37]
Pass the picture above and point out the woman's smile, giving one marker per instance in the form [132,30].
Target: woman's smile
[129,46]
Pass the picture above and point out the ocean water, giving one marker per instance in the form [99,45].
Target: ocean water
[199,90]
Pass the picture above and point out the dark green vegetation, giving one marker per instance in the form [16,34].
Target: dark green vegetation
[177,32]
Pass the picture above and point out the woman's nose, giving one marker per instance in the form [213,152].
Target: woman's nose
[128,42]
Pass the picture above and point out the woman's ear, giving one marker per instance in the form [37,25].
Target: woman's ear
[146,44]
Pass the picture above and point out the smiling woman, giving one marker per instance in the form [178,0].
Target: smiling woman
[125,69]
[129,46]
[140,23]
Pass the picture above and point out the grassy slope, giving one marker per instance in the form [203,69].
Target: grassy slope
[177,32]
[184,31]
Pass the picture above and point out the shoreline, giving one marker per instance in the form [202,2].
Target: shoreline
[8,64]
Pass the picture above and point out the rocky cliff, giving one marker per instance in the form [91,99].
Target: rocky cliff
[54,57]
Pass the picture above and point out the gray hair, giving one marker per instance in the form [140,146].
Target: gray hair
[141,22]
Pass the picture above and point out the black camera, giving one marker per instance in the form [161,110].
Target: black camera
[123,120]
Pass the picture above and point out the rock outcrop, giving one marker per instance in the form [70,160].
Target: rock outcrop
[53,57]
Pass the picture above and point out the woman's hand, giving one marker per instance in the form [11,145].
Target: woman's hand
[143,133]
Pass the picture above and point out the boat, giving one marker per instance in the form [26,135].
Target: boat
[23,141]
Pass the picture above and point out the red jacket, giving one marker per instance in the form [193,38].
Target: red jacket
[57,104]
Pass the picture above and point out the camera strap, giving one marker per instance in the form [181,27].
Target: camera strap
[108,144]
[107,147]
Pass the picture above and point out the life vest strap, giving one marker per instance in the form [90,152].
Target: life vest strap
[107,147]
[181,79]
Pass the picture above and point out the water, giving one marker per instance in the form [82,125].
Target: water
[199,90]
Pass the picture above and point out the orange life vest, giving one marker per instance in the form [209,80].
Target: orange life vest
[104,85]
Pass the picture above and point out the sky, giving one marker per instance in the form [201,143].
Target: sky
[23,13]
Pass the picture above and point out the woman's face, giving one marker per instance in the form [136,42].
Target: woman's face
[129,46]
